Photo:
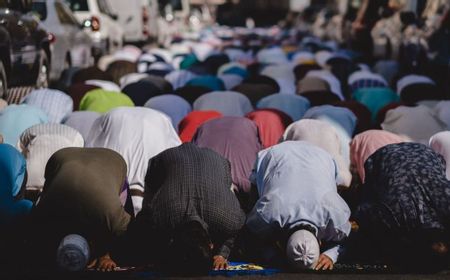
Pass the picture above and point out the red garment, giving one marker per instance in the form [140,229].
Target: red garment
[271,125]
[189,125]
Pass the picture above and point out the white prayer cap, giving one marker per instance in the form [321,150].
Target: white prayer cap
[302,250]
[73,253]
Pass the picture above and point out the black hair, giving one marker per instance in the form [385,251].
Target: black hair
[189,251]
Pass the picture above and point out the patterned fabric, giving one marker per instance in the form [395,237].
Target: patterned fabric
[55,103]
[190,183]
[367,83]
[15,94]
[405,191]
[38,143]
[236,139]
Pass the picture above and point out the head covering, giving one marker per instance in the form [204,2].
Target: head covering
[77,92]
[322,57]
[236,139]
[90,73]
[365,79]
[172,105]
[191,93]
[230,80]
[56,104]
[137,134]
[303,250]
[375,98]
[163,85]
[189,125]
[361,112]
[440,143]
[179,78]
[106,85]
[412,79]
[120,68]
[324,136]
[101,101]
[365,144]
[159,69]
[144,62]
[12,176]
[141,91]
[14,119]
[104,61]
[300,71]
[15,95]
[233,68]
[279,71]
[388,69]
[337,115]
[383,111]
[418,123]
[39,142]
[271,125]
[293,105]
[254,92]
[211,82]
[317,91]
[213,62]
[273,55]
[442,112]
[312,84]
[421,92]
[333,82]
[3,104]
[229,103]
[302,57]
[132,78]
[261,79]
[188,61]
[82,121]
[73,253]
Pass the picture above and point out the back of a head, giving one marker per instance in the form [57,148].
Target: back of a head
[190,250]
[302,250]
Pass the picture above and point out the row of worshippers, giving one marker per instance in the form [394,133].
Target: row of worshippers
[203,204]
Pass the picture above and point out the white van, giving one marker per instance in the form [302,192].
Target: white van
[99,21]
[138,18]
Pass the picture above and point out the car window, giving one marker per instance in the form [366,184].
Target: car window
[63,15]
[78,5]
[40,9]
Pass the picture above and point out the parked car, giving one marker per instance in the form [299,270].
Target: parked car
[97,17]
[24,48]
[70,43]
[138,18]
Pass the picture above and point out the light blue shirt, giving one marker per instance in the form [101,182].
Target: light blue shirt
[297,185]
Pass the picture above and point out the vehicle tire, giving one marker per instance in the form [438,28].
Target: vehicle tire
[43,72]
[3,81]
